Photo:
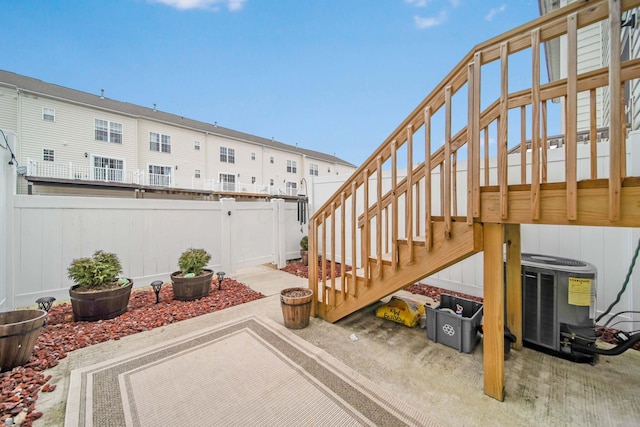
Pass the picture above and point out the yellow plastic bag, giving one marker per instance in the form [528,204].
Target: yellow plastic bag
[401,310]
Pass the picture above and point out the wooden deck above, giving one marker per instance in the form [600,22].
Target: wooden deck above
[592,204]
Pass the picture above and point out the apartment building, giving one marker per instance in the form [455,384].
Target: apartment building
[76,143]
[592,54]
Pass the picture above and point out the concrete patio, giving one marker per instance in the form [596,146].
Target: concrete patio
[438,381]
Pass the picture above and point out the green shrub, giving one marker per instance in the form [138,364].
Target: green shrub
[304,243]
[99,271]
[193,261]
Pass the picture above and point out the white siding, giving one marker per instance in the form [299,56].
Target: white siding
[73,132]
[8,108]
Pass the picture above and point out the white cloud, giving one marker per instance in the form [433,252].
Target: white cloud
[454,3]
[232,5]
[493,12]
[418,3]
[431,21]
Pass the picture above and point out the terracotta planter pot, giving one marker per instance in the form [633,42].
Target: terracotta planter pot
[191,288]
[296,307]
[19,332]
[305,257]
[100,305]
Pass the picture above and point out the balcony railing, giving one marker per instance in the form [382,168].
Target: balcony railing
[73,171]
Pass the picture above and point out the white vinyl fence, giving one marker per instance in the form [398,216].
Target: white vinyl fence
[44,233]
[610,249]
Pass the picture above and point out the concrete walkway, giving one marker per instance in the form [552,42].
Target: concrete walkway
[435,379]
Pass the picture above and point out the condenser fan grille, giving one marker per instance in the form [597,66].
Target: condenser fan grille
[552,260]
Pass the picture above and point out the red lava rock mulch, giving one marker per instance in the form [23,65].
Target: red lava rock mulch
[301,270]
[19,387]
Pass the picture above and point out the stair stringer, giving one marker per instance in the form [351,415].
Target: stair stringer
[465,241]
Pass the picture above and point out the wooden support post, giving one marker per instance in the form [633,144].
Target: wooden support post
[571,150]
[544,145]
[503,129]
[313,267]
[615,105]
[474,155]
[394,206]
[366,234]
[535,124]
[523,144]
[485,145]
[446,207]
[408,199]
[493,311]
[593,135]
[354,233]
[332,298]
[454,183]
[514,282]
[324,261]
[343,245]
[428,228]
[379,217]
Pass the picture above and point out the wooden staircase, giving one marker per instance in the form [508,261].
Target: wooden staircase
[405,215]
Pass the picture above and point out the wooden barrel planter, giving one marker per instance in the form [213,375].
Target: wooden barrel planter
[296,307]
[19,332]
[191,288]
[99,305]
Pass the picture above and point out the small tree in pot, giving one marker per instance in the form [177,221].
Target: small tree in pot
[98,292]
[192,281]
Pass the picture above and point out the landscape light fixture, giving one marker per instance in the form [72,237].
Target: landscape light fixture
[45,303]
[156,285]
[220,275]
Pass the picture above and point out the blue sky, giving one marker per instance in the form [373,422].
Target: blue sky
[336,76]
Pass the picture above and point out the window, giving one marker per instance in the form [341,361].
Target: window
[329,170]
[48,114]
[227,155]
[48,155]
[101,130]
[196,174]
[108,131]
[228,182]
[291,188]
[107,169]
[272,160]
[159,142]
[271,182]
[165,143]
[115,133]
[253,156]
[313,169]
[253,179]
[291,166]
[160,176]
[196,145]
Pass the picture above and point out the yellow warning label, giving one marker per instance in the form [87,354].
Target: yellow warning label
[579,291]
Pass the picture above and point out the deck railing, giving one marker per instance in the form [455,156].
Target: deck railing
[74,171]
[362,223]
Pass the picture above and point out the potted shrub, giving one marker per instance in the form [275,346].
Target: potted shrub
[304,250]
[192,281]
[98,292]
